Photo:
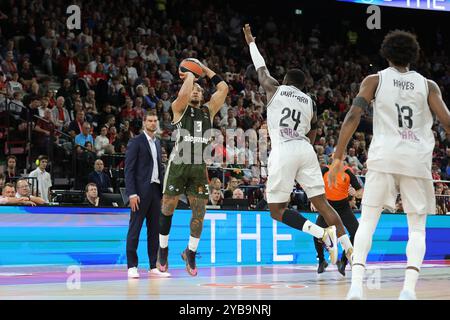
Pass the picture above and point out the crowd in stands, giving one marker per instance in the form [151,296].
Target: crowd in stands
[123,64]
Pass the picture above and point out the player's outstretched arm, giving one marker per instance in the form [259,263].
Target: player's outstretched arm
[437,105]
[352,119]
[218,98]
[268,83]
[182,100]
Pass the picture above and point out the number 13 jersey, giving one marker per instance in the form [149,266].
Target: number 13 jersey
[402,141]
[289,115]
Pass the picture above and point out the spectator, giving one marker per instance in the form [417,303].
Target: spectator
[76,126]
[11,171]
[215,197]
[92,197]
[85,135]
[8,197]
[232,185]
[43,178]
[102,145]
[238,194]
[100,178]
[60,114]
[24,191]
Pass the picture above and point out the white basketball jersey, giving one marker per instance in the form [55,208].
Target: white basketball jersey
[402,140]
[289,115]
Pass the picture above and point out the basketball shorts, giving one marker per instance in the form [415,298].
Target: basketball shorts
[189,179]
[417,194]
[290,161]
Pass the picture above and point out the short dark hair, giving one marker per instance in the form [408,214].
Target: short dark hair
[10,185]
[400,48]
[151,114]
[11,157]
[42,157]
[91,184]
[295,77]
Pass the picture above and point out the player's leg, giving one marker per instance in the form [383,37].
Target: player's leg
[173,187]
[418,201]
[415,252]
[319,246]
[198,193]
[351,224]
[380,190]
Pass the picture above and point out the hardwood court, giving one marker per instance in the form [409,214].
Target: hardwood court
[285,282]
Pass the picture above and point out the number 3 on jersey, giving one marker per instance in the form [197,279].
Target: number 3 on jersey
[295,117]
[405,113]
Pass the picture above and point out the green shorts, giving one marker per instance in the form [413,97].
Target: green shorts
[189,179]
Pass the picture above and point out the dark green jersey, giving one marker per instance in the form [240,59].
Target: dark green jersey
[191,140]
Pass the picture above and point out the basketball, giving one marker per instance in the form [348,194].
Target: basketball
[191,65]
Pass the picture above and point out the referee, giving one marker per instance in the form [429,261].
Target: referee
[338,197]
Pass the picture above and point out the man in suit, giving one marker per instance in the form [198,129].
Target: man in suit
[144,182]
[100,178]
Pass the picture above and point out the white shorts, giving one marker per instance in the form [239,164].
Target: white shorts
[417,194]
[290,161]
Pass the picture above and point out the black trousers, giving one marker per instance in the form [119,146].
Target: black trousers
[348,219]
[150,213]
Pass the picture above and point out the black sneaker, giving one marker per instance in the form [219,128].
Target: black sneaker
[161,263]
[188,256]
[342,264]
[322,266]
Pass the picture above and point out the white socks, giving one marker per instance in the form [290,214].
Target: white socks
[193,243]
[345,242]
[313,229]
[163,241]
[411,277]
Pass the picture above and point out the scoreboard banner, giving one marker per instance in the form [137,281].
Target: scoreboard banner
[436,5]
[87,236]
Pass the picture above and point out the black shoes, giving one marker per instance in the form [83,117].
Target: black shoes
[189,258]
[162,264]
[322,266]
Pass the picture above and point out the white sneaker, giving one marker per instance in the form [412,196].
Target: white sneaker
[133,273]
[330,241]
[157,273]
[355,293]
[407,295]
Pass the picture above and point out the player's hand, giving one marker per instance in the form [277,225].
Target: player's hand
[186,75]
[351,191]
[312,207]
[134,203]
[248,34]
[336,167]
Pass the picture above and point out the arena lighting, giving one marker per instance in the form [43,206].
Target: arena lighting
[435,5]
[298,11]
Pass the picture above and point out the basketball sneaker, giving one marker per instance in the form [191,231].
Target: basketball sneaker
[322,266]
[133,273]
[407,295]
[155,272]
[188,256]
[161,263]
[349,256]
[355,293]
[329,239]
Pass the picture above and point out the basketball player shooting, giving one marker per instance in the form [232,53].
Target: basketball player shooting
[292,122]
[400,154]
[192,119]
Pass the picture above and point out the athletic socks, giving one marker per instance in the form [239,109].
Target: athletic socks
[357,275]
[345,242]
[163,241]
[193,243]
[411,277]
[313,230]
[295,220]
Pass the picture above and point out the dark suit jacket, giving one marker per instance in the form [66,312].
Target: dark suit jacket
[102,187]
[139,166]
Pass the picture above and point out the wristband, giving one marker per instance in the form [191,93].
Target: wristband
[216,79]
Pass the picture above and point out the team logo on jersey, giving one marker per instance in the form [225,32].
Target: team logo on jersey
[408,135]
[200,190]
[171,188]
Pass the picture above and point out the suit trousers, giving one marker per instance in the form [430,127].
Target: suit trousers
[149,210]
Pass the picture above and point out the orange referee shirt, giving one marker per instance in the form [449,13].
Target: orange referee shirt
[344,180]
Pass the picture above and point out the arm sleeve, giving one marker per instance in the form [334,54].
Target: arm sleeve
[257,58]
[353,180]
